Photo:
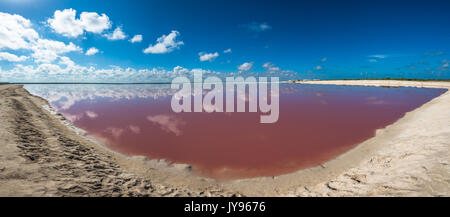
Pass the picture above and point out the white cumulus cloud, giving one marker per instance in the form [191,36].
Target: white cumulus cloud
[46,51]
[12,57]
[245,67]
[208,56]
[136,38]
[118,34]
[92,22]
[271,67]
[67,70]
[165,44]
[227,50]
[65,22]
[66,61]
[16,32]
[91,51]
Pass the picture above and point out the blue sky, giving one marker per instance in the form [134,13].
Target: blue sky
[291,39]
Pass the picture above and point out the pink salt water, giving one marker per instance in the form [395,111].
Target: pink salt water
[316,123]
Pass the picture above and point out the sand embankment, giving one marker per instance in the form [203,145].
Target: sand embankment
[39,156]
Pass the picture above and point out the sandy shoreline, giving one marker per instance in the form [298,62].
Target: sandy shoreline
[40,156]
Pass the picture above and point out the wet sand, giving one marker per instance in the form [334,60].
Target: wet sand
[41,156]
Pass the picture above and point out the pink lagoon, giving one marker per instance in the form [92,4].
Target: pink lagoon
[316,123]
